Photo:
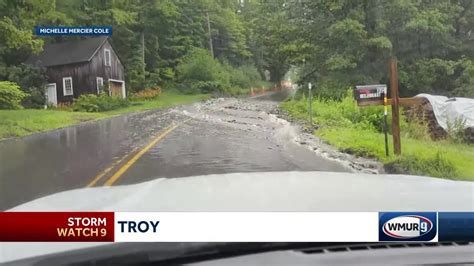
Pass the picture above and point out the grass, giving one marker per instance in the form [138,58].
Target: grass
[419,157]
[16,123]
[356,130]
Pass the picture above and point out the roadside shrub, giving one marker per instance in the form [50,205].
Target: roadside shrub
[415,129]
[243,77]
[94,103]
[344,112]
[146,94]
[200,73]
[11,95]
[456,130]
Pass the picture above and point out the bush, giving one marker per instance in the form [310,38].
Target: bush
[208,87]
[346,113]
[94,103]
[11,95]
[243,77]
[415,129]
[456,130]
[200,73]
[146,94]
[32,81]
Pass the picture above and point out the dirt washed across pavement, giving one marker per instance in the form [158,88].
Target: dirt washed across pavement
[224,135]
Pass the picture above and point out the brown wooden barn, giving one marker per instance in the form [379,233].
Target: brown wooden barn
[80,67]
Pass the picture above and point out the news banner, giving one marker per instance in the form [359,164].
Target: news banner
[236,226]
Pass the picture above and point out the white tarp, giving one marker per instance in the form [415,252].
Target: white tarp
[449,109]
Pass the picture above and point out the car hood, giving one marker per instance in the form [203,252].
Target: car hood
[269,191]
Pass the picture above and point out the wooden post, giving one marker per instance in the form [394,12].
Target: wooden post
[397,149]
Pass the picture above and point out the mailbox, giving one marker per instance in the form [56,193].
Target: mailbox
[370,94]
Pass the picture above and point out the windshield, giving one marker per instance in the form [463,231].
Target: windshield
[236,105]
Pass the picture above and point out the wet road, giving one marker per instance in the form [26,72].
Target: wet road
[217,136]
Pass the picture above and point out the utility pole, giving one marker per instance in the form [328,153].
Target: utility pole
[142,38]
[211,48]
[397,149]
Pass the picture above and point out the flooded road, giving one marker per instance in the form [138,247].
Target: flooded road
[216,136]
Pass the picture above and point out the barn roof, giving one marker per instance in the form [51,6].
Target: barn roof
[68,52]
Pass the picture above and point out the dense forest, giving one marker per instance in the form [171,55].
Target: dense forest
[349,42]
[217,45]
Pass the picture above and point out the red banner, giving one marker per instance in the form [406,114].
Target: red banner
[57,226]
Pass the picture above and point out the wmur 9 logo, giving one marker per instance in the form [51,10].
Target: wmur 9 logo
[407,226]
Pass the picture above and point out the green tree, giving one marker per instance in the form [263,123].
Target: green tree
[351,41]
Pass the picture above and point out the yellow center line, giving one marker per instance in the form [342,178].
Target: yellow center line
[137,156]
[108,169]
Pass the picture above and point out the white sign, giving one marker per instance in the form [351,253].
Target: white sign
[309,85]
[246,227]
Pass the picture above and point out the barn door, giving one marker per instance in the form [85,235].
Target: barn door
[116,88]
[51,95]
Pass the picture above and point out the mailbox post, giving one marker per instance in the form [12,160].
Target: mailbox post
[370,95]
[374,95]
[397,149]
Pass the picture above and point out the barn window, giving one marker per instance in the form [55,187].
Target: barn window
[100,85]
[107,57]
[67,86]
